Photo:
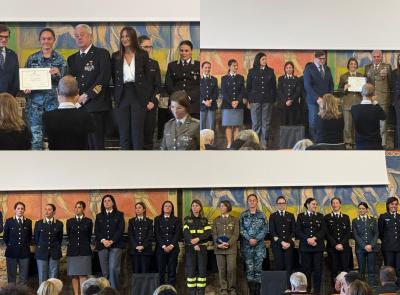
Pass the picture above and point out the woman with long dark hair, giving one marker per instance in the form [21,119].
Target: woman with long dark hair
[140,237]
[130,73]
[196,233]
[109,229]
[79,252]
[167,230]
[261,91]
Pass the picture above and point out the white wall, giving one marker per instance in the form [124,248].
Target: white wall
[165,169]
[305,24]
[100,11]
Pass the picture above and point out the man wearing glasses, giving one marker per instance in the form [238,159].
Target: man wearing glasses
[155,90]
[317,82]
[282,226]
[9,78]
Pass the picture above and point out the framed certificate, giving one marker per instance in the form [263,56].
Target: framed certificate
[356,83]
[34,78]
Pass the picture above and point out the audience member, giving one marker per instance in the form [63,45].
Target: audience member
[388,279]
[359,288]
[207,140]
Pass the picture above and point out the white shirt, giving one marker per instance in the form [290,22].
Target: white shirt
[109,211]
[49,220]
[129,71]
[86,50]
[67,105]
[18,218]
[367,101]
[186,61]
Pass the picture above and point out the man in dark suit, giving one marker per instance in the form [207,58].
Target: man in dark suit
[68,127]
[282,227]
[155,90]
[91,66]
[184,74]
[9,77]
[317,82]
[367,117]
[388,279]
[338,235]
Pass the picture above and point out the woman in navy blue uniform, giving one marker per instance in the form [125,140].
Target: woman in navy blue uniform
[167,230]
[79,252]
[17,238]
[289,92]
[233,92]
[261,91]
[109,229]
[48,236]
[130,73]
[140,237]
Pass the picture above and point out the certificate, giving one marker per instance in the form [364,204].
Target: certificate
[356,83]
[35,78]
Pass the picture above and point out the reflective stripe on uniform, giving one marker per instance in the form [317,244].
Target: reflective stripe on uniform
[186,226]
[201,279]
[191,279]
[201,282]
[200,231]
[207,227]
[191,285]
[192,231]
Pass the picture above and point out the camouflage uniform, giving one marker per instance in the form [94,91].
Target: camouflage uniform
[253,226]
[40,101]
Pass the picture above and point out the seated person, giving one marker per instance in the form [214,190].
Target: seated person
[388,280]
[207,139]
[298,282]
[68,127]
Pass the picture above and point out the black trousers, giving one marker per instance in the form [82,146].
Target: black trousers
[167,263]
[340,261]
[289,115]
[130,115]
[149,127]
[196,269]
[140,263]
[283,260]
[312,265]
[393,259]
[96,139]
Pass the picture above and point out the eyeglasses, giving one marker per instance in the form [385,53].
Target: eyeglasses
[281,203]
[322,58]
[147,47]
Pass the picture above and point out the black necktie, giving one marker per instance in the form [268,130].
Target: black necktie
[20,221]
[83,55]
[282,214]
[321,71]
[2,59]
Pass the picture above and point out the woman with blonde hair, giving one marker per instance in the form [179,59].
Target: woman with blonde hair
[14,135]
[207,139]
[47,288]
[329,123]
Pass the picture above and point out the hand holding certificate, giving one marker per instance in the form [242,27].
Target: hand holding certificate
[34,78]
[356,83]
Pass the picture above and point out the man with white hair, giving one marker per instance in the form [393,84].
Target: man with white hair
[367,117]
[378,74]
[298,282]
[91,66]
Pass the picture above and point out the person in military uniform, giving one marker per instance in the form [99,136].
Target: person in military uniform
[167,231]
[389,233]
[208,97]
[109,229]
[79,251]
[338,233]
[261,90]
[40,101]
[288,95]
[182,132]
[282,227]
[184,74]
[225,237]
[130,73]
[140,237]
[253,229]
[365,232]
[48,235]
[378,74]
[310,230]
[91,66]
[9,66]
[154,78]
[233,93]
[349,99]
[17,238]
[196,233]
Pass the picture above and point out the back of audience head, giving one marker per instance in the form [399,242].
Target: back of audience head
[10,113]
[67,89]
[250,140]
[89,283]
[47,288]
[359,287]
[57,283]
[92,290]
[387,274]
[302,145]
[298,281]
[12,289]
[108,291]
[165,290]
[103,282]
[368,90]
[349,278]
[340,281]
[206,137]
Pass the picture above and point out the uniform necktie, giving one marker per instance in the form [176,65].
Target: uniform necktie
[83,55]
[19,221]
[179,123]
[282,214]
[376,67]
[2,59]
[321,71]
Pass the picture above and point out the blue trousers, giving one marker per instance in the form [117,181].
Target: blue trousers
[364,257]
[261,120]
[12,264]
[47,269]
[110,263]
[207,119]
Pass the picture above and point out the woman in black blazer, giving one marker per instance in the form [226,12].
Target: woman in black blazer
[79,252]
[140,237]
[130,73]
